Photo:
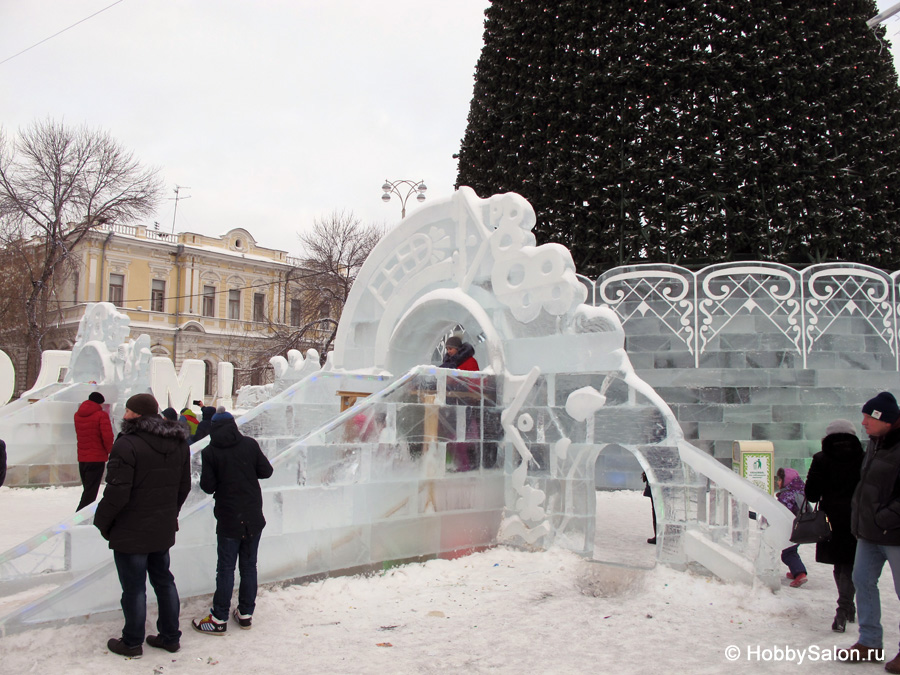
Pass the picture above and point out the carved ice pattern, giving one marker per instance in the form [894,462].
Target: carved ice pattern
[419,251]
[524,277]
[802,305]
[836,293]
[754,290]
[662,294]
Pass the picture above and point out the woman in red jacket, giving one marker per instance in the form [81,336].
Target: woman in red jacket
[464,456]
[459,355]
[94,434]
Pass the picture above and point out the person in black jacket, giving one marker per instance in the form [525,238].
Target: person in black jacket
[832,478]
[875,522]
[2,462]
[232,465]
[148,478]
[206,413]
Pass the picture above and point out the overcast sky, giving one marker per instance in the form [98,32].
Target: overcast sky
[270,113]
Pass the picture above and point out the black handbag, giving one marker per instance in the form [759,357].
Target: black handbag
[811,525]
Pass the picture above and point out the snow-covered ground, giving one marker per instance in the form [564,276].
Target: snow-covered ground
[502,611]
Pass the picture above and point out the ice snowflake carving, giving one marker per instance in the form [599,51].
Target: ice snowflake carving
[526,278]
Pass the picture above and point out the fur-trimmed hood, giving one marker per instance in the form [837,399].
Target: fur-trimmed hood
[148,477]
[155,425]
[465,352]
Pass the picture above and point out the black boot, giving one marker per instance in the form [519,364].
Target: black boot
[839,625]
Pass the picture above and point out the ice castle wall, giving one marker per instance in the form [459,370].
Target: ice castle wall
[754,351]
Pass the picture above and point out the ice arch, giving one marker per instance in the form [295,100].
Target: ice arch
[425,323]
[464,259]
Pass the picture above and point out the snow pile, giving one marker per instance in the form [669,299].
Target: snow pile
[501,611]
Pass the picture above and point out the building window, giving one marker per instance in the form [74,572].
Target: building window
[296,317]
[259,307]
[208,379]
[234,304]
[117,289]
[209,301]
[158,296]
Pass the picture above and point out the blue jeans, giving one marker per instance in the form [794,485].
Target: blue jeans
[870,559]
[133,569]
[243,552]
[791,558]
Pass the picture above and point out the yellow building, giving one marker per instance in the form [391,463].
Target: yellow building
[198,297]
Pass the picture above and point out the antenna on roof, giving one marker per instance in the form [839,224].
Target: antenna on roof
[176,199]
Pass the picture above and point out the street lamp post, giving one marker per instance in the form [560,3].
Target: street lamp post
[396,187]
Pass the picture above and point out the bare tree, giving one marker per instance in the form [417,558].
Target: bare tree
[335,249]
[56,184]
[13,339]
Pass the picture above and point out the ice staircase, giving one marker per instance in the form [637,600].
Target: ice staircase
[352,490]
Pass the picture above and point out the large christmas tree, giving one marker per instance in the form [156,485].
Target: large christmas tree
[693,131]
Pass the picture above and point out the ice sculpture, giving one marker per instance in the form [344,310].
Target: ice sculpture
[53,363]
[433,462]
[288,371]
[38,426]
[177,390]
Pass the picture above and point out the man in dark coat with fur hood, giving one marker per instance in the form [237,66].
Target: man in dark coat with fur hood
[148,478]
[233,464]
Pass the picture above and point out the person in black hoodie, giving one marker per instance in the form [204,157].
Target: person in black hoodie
[232,465]
[206,413]
[148,478]
[832,478]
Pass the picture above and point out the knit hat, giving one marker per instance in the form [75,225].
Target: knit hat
[453,341]
[142,404]
[883,407]
[840,427]
[96,397]
[222,414]
[170,414]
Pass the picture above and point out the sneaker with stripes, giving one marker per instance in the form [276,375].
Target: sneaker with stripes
[244,620]
[210,625]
